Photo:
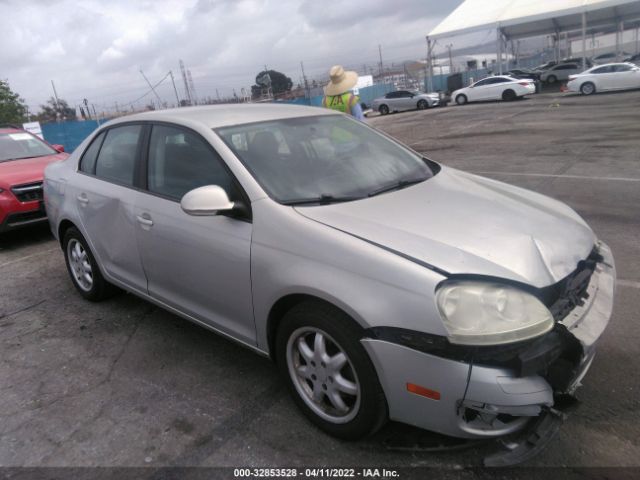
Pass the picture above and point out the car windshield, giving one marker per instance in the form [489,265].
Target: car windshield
[323,159]
[15,146]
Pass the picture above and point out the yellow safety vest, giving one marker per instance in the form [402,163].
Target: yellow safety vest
[341,103]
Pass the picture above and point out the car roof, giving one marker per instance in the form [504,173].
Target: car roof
[613,63]
[215,116]
[11,129]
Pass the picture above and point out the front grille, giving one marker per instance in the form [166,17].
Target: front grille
[571,292]
[29,192]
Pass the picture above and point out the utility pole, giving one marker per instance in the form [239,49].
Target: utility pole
[152,89]
[217,94]
[304,79]
[175,90]
[192,88]
[184,79]
[55,95]
[381,64]
[430,46]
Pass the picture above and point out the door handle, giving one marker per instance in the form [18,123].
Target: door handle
[82,198]
[145,219]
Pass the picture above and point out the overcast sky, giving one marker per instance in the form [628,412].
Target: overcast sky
[95,49]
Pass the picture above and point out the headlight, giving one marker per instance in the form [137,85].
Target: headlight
[482,313]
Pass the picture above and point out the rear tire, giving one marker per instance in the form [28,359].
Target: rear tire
[383,109]
[461,99]
[509,95]
[587,88]
[551,79]
[423,105]
[332,380]
[83,268]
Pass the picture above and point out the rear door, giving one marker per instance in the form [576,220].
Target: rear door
[199,265]
[392,100]
[602,77]
[497,86]
[105,194]
[405,100]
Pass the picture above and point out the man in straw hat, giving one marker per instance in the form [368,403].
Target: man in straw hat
[338,95]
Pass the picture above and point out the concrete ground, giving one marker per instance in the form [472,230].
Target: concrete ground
[123,383]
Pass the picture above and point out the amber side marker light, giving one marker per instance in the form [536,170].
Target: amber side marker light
[422,391]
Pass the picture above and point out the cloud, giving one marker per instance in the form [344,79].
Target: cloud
[94,49]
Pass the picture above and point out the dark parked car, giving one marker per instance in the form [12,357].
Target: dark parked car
[634,59]
[578,60]
[524,73]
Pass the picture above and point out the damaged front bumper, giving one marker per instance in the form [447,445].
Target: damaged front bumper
[476,394]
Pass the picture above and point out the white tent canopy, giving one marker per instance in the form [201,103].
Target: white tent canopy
[527,18]
[515,19]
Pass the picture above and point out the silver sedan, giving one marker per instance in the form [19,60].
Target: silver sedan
[402,100]
[382,284]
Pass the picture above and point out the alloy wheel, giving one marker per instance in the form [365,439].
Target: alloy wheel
[80,265]
[323,375]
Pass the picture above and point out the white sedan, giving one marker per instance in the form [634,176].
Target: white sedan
[601,78]
[494,88]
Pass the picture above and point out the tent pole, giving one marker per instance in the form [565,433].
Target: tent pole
[584,41]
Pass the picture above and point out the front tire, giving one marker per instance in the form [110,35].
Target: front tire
[587,88]
[83,268]
[328,371]
[461,99]
[423,105]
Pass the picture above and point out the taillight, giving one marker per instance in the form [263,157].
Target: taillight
[525,84]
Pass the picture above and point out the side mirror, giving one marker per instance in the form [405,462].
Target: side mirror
[58,148]
[206,201]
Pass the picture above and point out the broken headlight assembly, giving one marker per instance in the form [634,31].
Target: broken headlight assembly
[487,313]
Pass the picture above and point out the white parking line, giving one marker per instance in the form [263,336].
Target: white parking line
[628,283]
[580,177]
[17,260]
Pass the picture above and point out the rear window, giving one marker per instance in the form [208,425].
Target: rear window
[19,145]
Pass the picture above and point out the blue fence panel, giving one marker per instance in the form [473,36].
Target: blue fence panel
[69,134]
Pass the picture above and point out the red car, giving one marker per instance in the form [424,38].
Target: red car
[23,157]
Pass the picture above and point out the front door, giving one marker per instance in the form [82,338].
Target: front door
[198,265]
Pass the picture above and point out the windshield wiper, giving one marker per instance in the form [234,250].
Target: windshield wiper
[397,185]
[323,199]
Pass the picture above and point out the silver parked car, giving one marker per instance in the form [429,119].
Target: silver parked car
[402,100]
[383,284]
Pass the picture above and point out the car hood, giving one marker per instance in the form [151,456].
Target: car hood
[464,224]
[26,170]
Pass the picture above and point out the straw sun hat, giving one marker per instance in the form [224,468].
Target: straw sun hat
[341,81]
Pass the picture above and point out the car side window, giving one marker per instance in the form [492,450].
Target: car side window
[482,83]
[621,68]
[90,155]
[499,80]
[392,95]
[602,70]
[117,158]
[180,161]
